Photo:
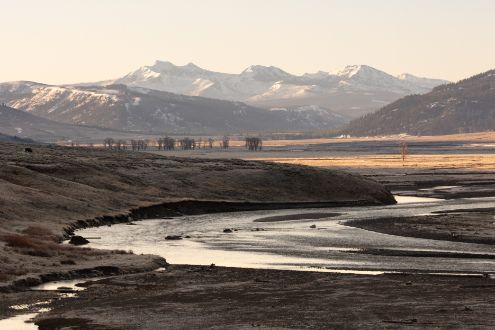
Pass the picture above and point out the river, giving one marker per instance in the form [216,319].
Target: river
[324,244]
[314,240]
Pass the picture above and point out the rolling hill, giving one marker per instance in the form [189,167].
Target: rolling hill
[139,109]
[18,126]
[463,107]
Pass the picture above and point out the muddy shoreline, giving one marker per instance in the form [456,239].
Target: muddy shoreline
[193,297]
[474,226]
[60,317]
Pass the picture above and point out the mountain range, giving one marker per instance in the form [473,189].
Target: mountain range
[169,99]
[136,109]
[352,91]
[463,107]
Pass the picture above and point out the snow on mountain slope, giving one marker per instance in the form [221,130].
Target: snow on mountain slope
[147,110]
[426,82]
[355,87]
[24,125]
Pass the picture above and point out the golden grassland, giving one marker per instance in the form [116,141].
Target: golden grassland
[480,137]
[441,161]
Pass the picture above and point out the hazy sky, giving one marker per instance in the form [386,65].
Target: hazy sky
[65,41]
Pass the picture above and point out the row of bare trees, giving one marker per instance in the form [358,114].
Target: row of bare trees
[254,143]
[110,143]
[166,143]
[138,145]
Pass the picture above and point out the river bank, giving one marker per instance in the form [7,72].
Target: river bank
[194,297]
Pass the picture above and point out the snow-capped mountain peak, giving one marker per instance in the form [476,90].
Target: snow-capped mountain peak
[165,67]
[162,66]
[431,83]
[265,73]
[355,89]
[363,71]
[349,71]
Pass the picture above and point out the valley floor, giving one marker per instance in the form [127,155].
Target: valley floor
[214,297]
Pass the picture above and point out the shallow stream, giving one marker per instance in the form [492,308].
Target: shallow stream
[314,241]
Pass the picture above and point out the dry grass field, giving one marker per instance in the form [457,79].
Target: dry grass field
[441,161]
[480,137]
[475,151]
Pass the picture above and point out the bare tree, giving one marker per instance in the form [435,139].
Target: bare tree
[225,142]
[404,150]
[121,145]
[168,143]
[210,143]
[108,143]
[160,143]
[134,145]
[187,143]
[254,143]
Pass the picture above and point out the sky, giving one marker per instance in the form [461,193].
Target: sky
[69,41]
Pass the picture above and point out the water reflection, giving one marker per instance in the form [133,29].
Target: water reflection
[415,199]
[296,244]
[19,322]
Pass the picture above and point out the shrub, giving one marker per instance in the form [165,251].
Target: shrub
[68,262]
[45,253]
[21,241]
[31,246]
[41,232]
[4,277]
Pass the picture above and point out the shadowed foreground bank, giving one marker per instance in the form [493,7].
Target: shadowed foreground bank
[193,297]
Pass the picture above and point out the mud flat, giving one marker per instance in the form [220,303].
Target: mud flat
[470,227]
[193,297]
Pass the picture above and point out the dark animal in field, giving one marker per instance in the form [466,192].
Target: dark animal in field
[30,150]
[173,237]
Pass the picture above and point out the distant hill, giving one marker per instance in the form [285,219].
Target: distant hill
[20,126]
[352,91]
[463,107]
[14,139]
[144,110]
